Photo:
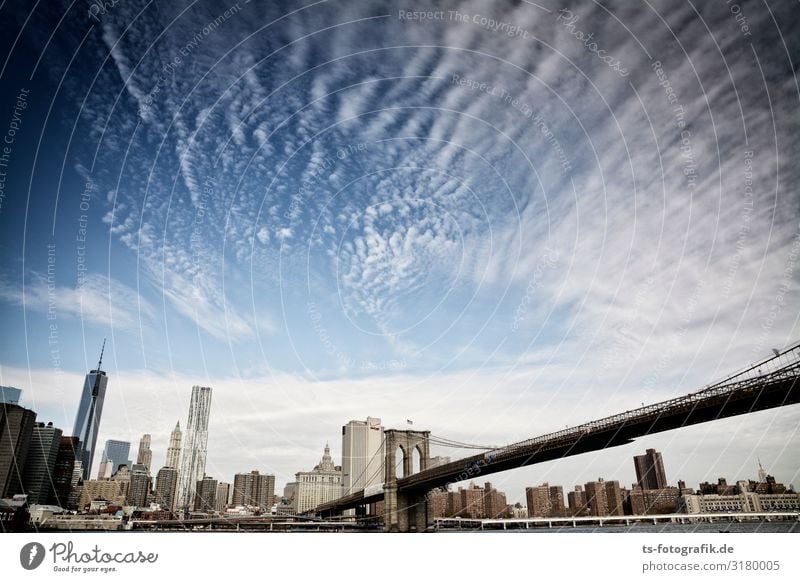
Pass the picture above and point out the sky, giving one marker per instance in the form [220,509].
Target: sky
[493,219]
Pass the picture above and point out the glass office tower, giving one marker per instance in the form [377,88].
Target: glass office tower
[90,409]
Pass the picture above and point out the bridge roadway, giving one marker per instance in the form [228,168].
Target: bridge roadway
[772,383]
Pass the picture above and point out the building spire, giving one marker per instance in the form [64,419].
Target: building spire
[103,349]
[762,474]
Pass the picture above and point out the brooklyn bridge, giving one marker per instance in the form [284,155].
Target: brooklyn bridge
[408,507]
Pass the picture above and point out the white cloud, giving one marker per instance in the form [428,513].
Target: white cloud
[97,300]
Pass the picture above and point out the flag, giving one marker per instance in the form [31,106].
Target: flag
[409,421]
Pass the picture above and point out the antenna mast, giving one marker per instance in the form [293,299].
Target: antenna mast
[103,349]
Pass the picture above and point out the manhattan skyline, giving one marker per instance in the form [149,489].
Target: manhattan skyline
[467,218]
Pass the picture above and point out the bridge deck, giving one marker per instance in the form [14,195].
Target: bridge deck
[772,383]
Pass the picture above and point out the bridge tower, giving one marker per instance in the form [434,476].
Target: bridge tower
[402,509]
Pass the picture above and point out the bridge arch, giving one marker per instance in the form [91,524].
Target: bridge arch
[402,510]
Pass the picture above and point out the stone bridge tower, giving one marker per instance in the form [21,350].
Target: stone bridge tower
[405,509]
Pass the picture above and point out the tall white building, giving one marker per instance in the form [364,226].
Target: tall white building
[193,459]
[362,454]
[322,484]
[174,448]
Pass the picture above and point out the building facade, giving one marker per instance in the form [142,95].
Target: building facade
[743,500]
[320,485]
[16,431]
[139,489]
[614,498]
[577,502]
[174,448]
[193,458]
[101,489]
[494,503]
[206,495]
[653,501]
[596,502]
[545,501]
[363,453]
[650,472]
[64,475]
[9,395]
[90,410]
[253,490]
[473,502]
[145,456]
[166,486]
[223,497]
[37,478]
[115,453]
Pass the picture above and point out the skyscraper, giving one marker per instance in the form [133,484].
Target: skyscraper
[90,409]
[145,456]
[174,449]
[16,429]
[166,485]
[37,478]
[116,452]
[362,454]
[650,470]
[193,459]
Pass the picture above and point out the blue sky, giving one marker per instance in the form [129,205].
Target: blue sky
[490,222]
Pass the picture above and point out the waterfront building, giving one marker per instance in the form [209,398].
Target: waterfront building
[438,501]
[596,501]
[614,498]
[494,502]
[545,501]
[577,502]
[743,500]
[653,501]
[471,501]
